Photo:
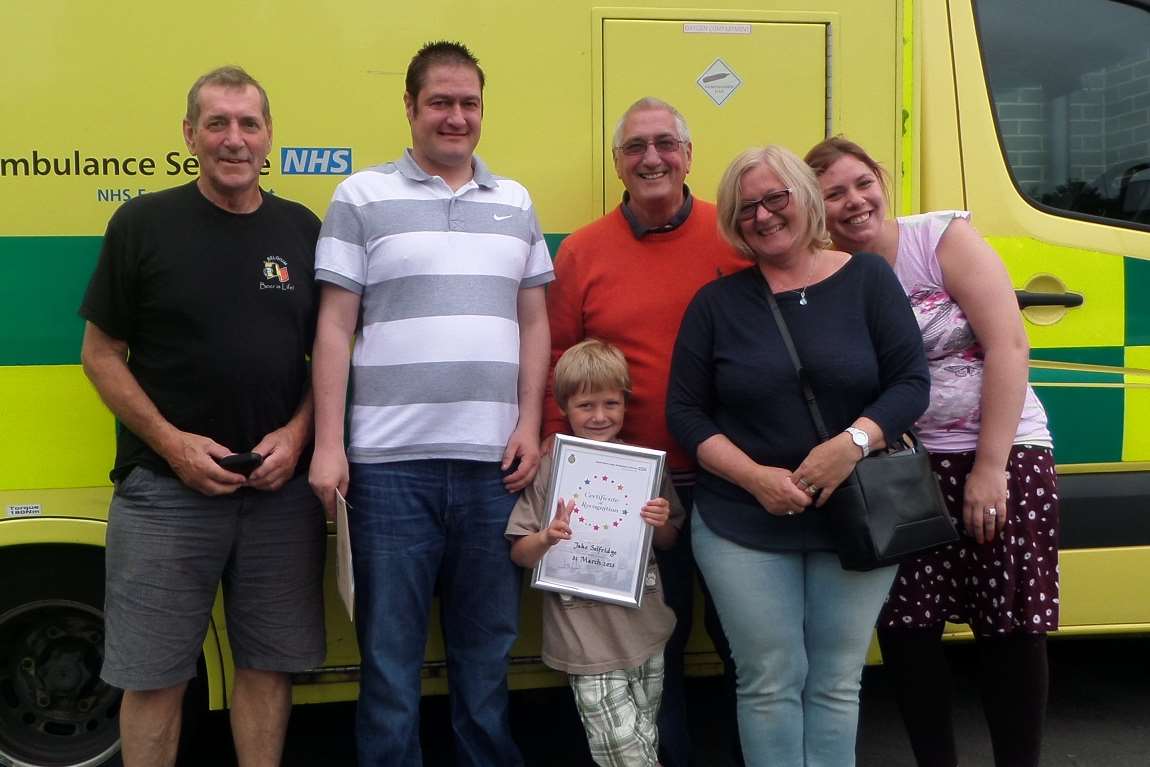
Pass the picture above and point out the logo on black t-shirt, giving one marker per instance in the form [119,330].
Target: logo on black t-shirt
[275,274]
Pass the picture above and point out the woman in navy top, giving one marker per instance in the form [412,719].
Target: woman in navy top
[799,625]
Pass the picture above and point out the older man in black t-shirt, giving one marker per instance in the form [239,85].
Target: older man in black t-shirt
[199,316]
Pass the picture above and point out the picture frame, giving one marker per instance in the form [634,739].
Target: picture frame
[606,557]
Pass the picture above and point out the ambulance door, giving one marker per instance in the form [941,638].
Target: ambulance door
[1053,107]
[726,83]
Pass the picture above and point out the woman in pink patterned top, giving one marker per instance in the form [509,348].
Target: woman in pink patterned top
[986,432]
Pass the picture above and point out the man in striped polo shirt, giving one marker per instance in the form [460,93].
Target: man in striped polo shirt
[440,266]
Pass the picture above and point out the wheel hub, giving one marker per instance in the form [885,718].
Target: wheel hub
[54,708]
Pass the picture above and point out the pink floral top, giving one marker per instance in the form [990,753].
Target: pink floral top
[955,357]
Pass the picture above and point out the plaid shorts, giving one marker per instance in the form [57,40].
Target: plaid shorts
[619,709]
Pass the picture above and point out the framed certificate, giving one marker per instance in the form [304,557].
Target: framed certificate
[606,557]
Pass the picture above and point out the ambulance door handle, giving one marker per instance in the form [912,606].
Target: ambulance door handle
[1029,298]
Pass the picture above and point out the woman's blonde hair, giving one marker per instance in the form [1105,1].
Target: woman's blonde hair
[794,174]
[589,366]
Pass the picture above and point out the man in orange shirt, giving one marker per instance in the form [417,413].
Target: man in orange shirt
[626,279]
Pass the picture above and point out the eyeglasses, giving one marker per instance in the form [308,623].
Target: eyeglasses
[772,201]
[638,147]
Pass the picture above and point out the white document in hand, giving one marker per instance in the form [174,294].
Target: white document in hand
[344,577]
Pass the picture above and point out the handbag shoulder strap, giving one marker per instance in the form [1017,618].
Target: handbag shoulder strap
[804,382]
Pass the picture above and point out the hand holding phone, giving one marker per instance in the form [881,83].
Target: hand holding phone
[241,463]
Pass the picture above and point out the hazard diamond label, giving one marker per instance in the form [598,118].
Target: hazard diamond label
[719,81]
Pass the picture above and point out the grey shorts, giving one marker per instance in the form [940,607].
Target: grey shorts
[168,550]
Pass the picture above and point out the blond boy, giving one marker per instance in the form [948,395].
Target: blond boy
[613,655]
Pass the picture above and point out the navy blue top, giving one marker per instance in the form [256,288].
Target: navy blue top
[731,374]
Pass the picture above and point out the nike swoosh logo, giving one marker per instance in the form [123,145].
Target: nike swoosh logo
[498,217]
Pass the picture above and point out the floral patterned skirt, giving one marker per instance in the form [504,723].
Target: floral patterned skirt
[1009,585]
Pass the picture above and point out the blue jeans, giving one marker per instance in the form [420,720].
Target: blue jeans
[799,627]
[419,527]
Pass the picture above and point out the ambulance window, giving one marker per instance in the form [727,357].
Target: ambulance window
[1070,83]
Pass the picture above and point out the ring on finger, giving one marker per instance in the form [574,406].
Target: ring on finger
[991,511]
[803,484]
[790,512]
[812,490]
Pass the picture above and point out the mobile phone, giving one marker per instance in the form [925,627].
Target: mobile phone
[241,463]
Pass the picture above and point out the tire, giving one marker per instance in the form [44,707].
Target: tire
[55,711]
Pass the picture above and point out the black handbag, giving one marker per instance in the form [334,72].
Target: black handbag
[890,507]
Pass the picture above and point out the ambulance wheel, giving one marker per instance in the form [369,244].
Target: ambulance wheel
[55,711]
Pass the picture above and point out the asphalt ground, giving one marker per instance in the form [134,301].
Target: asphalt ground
[1098,716]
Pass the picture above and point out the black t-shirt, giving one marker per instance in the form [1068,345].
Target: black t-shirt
[218,311]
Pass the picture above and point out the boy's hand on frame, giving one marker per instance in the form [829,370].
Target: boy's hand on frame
[560,527]
[656,512]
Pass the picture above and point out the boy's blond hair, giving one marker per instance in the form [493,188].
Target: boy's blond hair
[589,366]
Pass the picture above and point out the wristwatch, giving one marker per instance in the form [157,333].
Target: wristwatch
[860,438]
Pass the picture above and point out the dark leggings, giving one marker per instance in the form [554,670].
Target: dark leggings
[1013,679]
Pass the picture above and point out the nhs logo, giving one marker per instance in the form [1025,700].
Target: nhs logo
[315,161]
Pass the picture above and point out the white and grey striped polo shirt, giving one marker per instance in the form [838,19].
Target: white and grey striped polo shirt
[435,369]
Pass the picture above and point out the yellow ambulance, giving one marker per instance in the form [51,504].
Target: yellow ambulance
[1033,114]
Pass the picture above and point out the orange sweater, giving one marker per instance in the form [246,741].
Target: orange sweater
[632,293]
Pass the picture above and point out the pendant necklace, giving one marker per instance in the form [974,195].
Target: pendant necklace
[810,276]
